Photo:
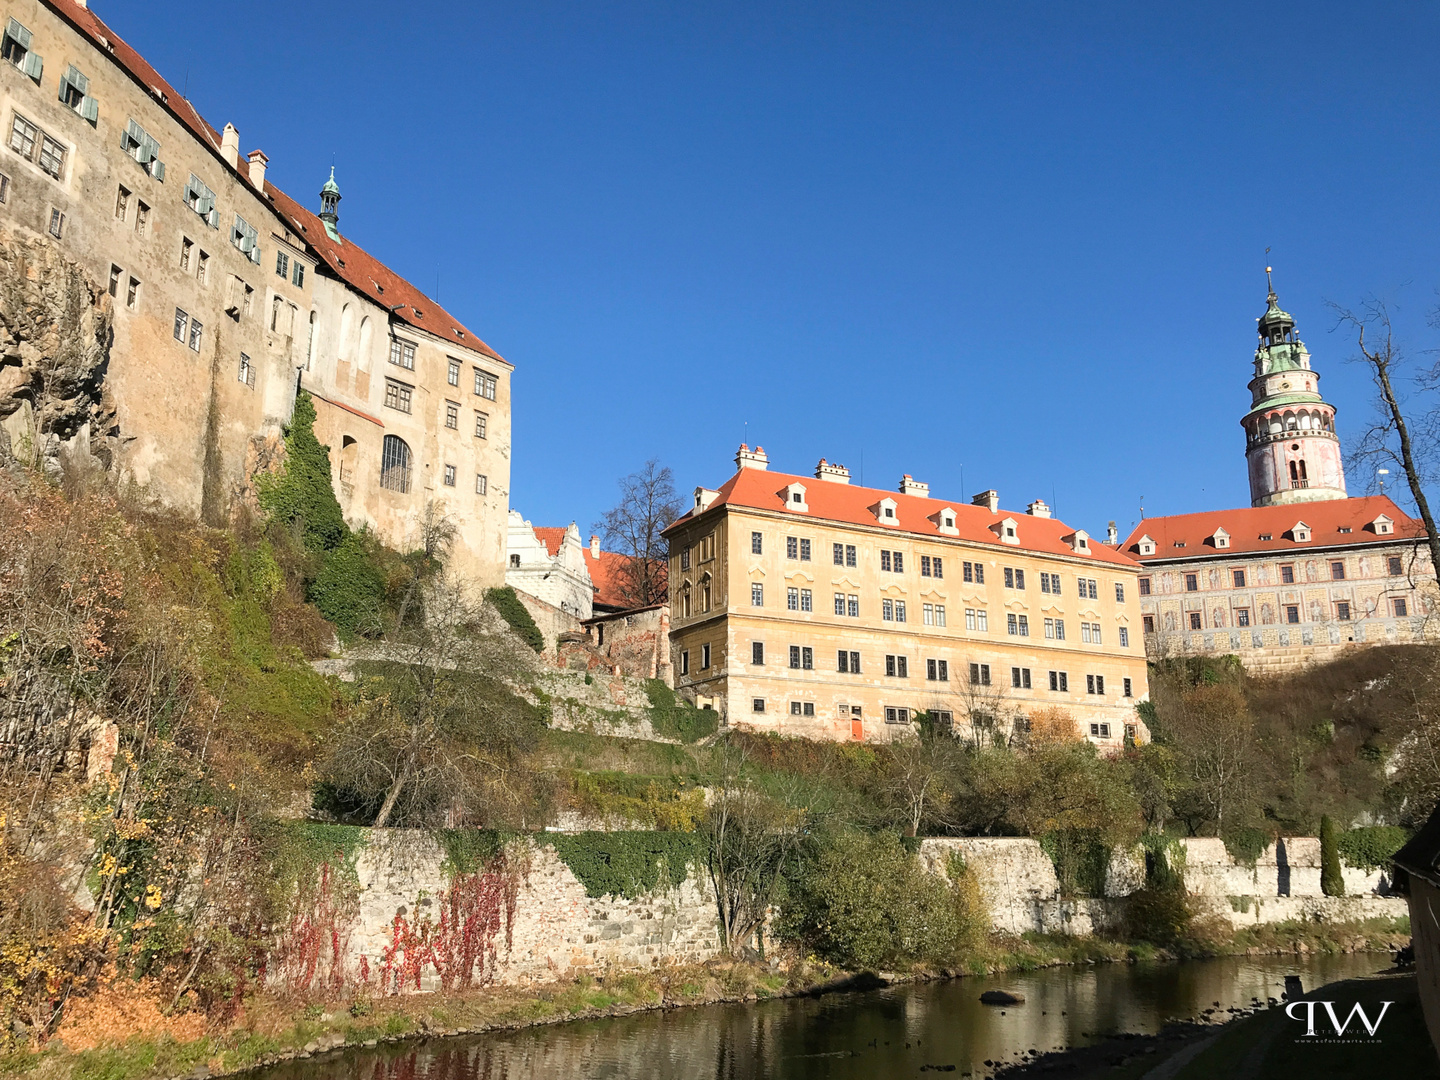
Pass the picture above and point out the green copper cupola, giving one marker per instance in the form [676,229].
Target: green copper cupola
[330,206]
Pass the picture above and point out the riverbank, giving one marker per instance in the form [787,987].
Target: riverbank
[1263,1043]
[269,1028]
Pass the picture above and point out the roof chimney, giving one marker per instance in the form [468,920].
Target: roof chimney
[1038,509]
[910,486]
[745,458]
[988,499]
[594,546]
[834,474]
[1112,536]
[230,146]
[258,161]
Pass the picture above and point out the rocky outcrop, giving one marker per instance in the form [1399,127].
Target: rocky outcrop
[55,336]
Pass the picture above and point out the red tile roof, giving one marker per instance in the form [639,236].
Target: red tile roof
[607,572]
[829,501]
[350,263]
[1246,525]
[551,537]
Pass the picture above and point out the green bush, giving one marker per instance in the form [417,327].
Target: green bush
[864,902]
[350,590]
[1371,847]
[1081,858]
[1159,914]
[1332,879]
[515,613]
[628,864]
[1246,844]
[672,717]
[301,493]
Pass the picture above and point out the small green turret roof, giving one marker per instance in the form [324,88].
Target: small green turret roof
[331,188]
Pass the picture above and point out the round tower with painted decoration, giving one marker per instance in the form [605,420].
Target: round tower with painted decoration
[1290,443]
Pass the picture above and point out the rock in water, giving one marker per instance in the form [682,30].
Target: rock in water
[1001,997]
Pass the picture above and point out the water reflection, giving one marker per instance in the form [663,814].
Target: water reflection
[887,1032]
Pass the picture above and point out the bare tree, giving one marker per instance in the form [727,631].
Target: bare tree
[632,527]
[1392,437]
[918,772]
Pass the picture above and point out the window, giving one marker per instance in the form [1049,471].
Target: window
[297,276]
[939,614]
[247,371]
[122,203]
[792,547]
[684,661]
[485,384]
[1337,570]
[1242,616]
[397,395]
[792,599]
[515,560]
[1192,582]
[1144,584]
[805,600]
[1060,681]
[452,373]
[1009,578]
[482,425]
[1124,637]
[1342,610]
[142,219]
[1100,731]
[1087,587]
[57,224]
[802,708]
[1148,623]
[282,264]
[884,560]
[1128,692]
[182,324]
[1119,592]
[837,553]
[145,150]
[897,667]
[887,610]
[198,197]
[851,557]
[802,657]
[1020,678]
[16,49]
[132,293]
[1095,684]
[1267,536]
[757,594]
[848,662]
[685,559]
[977,619]
[482,484]
[1401,607]
[1095,633]
[757,653]
[804,550]
[1045,581]
[4,188]
[1195,620]
[757,704]
[1292,613]
[1395,566]
[452,415]
[202,268]
[927,614]
[899,610]
[395,464]
[1287,575]
[114,286]
[705,657]
[839,603]
[937,670]
[1017,625]
[852,604]
[979,674]
[449,475]
[757,544]
[894,715]
[402,352]
[931,567]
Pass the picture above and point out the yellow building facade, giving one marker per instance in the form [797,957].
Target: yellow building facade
[808,606]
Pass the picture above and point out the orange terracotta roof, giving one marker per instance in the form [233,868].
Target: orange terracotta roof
[915,515]
[607,573]
[352,264]
[1247,525]
[551,537]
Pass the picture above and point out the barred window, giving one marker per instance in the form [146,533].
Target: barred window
[395,464]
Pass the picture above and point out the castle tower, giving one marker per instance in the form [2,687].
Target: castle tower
[1290,442]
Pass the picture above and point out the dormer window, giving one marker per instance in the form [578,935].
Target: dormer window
[1300,532]
[1383,525]
[945,521]
[1008,530]
[1220,538]
[1267,536]
[884,512]
[1079,542]
[794,496]
[1145,545]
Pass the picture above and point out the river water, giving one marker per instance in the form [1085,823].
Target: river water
[892,1032]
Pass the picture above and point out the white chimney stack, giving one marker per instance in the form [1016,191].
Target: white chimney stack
[230,146]
[258,161]
[834,474]
[746,458]
[988,499]
[594,546]
[909,486]
[1038,509]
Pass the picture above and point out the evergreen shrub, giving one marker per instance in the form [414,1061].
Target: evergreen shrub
[301,493]
[1371,847]
[1332,879]
[350,590]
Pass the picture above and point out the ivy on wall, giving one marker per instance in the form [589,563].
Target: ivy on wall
[628,864]
[515,613]
[1372,847]
[301,493]
[672,717]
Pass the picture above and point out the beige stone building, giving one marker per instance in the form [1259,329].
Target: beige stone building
[1303,572]
[216,297]
[811,606]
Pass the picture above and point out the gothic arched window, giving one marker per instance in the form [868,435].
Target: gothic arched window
[395,464]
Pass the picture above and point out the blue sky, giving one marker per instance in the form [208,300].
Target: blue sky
[1011,245]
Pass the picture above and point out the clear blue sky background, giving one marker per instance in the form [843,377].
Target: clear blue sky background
[1008,245]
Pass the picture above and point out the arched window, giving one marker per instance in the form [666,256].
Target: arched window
[705,593]
[685,600]
[1303,474]
[395,464]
